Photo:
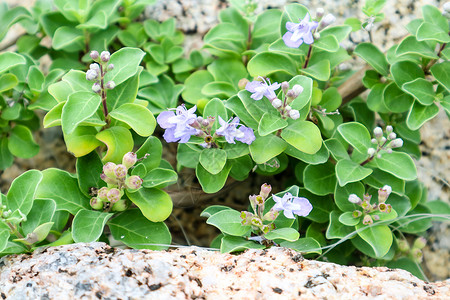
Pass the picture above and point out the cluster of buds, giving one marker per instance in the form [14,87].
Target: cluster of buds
[283,106]
[326,20]
[257,219]
[204,126]
[387,143]
[4,213]
[98,70]
[8,216]
[414,252]
[117,179]
[368,209]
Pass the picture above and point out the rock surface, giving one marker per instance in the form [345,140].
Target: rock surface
[97,271]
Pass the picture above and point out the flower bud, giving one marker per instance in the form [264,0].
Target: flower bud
[367,220]
[242,83]
[356,213]
[389,129]
[120,171]
[316,35]
[94,67]
[105,56]
[376,217]
[389,151]
[91,75]
[96,203]
[378,132]
[290,94]
[96,88]
[344,67]
[403,246]
[298,89]
[392,136]
[397,143]
[285,86]
[271,215]
[94,55]
[133,182]
[417,255]
[108,169]
[374,141]
[120,205]
[382,140]
[277,103]
[102,193]
[288,108]
[367,198]
[328,20]
[108,179]
[384,193]
[129,159]
[246,215]
[446,7]
[369,26]
[371,152]
[113,195]
[259,200]
[110,85]
[420,243]
[252,199]
[110,67]
[265,190]
[353,198]
[294,114]
[319,13]
[365,205]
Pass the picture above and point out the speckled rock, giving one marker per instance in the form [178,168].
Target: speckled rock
[97,271]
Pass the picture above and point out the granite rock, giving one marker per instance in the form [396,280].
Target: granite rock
[97,271]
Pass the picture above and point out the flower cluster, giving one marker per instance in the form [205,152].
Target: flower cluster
[384,143]
[117,179]
[414,252]
[98,70]
[263,223]
[184,123]
[263,87]
[368,209]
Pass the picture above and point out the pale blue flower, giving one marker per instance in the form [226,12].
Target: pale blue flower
[230,131]
[299,33]
[291,205]
[259,89]
[177,124]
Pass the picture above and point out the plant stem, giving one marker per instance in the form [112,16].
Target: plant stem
[433,61]
[308,56]
[103,93]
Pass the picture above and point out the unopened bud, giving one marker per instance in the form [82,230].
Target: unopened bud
[294,114]
[113,195]
[120,171]
[374,141]
[353,198]
[365,205]
[110,67]
[384,193]
[133,182]
[91,75]
[94,55]
[102,193]
[389,151]
[265,190]
[129,159]
[367,220]
[319,13]
[246,215]
[420,243]
[96,203]
[259,200]
[298,89]
[403,246]
[108,169]
[316,35]
[110,85]
[242,83]
[376,217]
[285,86]
[252,199]
[288,108]
[367,198]
[378,132]
[277,103]
[356,213]
[291,94]
[417,255]
[120,205]
[108,179]
[95,67]
[344,67]
[389,129]
[105,56]
[96,88]
[328,20]
[392,136]
[369,26]
[371,152]
[382,140]
[271,215]
[397,143]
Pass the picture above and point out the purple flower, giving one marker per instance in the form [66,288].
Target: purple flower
[230,131]
[177,124]
[299,32]
[291,205]
[259,89]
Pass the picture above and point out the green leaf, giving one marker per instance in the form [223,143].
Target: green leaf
[419,114]
[406,263]
[304,136]
[378,179]
[348,219]
[219,89]
[396,100]
[7,82]
[411,46]
[379,237]
[331,99]
[335,229]
[194,84]
[155,205]
[320,179]
[406,71]
[266,147]
[442,74]
[65,192]
[97,21]
[35,79]
[304,245]
[270,123]
[213,160]
[6,158]
[416,224]
[429,32]
[41,212]
[237,150]
[229,221]
[89,168]
[228,70]
[356,135]
[355,23]
[341,195]
[21,142]
[319,70]
[236,105]
[236,243]
[77,81]
[421,89]
[265,28]
[212,183]
[292,13]
[339,32]
[139,118]
[375,99]
[82,141]
[319,157]
[373,56]
[398,164]
[68,39]
[433,15]
[9,60]
[266,63]
[304,98]
[350,171]
[79,107]
[438,207]
[153,147]
[188,155]
[88,225]
[125,92]
[328,43]
[215,108]
[288,234]
[22,191]
[118,140]
[159,178]
[4,236]
[213,209]
[135,231]
[126,63]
